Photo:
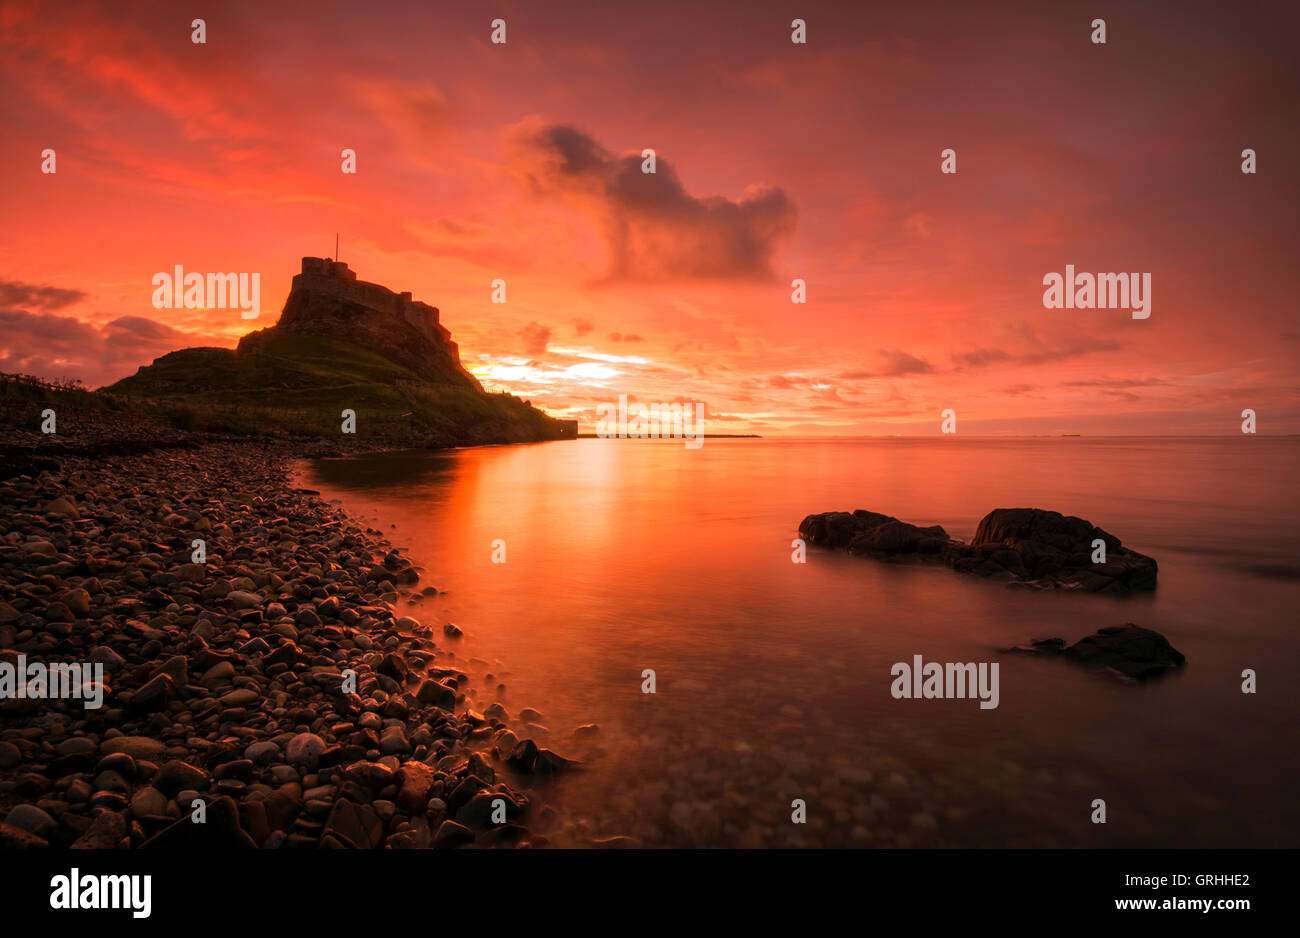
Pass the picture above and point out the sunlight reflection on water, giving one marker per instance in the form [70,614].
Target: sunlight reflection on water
[773,677]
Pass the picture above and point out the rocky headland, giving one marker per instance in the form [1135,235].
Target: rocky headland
[1022,547]
[340,345]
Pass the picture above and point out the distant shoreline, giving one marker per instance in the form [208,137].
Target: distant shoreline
[706,436]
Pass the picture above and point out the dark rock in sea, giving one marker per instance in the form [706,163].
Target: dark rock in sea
[1132,652]
[1135,652]
[523,757]
[874,535]
[1056,550]
[1023,547]
[548,764]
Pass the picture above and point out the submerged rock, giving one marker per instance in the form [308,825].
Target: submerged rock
[1023,547]
[1131,651]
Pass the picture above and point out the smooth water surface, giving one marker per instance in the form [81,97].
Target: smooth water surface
[773,677]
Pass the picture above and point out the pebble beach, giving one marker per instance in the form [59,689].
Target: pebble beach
[284,688]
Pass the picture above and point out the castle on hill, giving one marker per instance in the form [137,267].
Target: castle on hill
[336,279]
[326,299]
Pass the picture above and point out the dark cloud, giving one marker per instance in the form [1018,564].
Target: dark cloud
[897,362]
[981,358]
[1026,346]
[581,326]
[59,347]
[654,228]
[1118,383]
[625,337]
[894,363]
[138,328]
[29,296]
[536,337]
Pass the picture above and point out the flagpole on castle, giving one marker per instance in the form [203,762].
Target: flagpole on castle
[336,247]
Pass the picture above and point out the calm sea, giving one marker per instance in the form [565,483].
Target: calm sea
[773,677]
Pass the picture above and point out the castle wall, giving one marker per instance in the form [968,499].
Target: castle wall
[333,278]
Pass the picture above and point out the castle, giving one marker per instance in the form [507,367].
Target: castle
[334,279]
[387,354]
[328,300]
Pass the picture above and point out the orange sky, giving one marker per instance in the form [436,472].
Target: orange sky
[775,161]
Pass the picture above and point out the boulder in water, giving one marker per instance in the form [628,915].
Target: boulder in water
[1023,547]
[1130,650]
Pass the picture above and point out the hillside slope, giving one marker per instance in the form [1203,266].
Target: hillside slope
[300,385]
[340,344]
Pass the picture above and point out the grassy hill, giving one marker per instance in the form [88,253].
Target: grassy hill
[298,385]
